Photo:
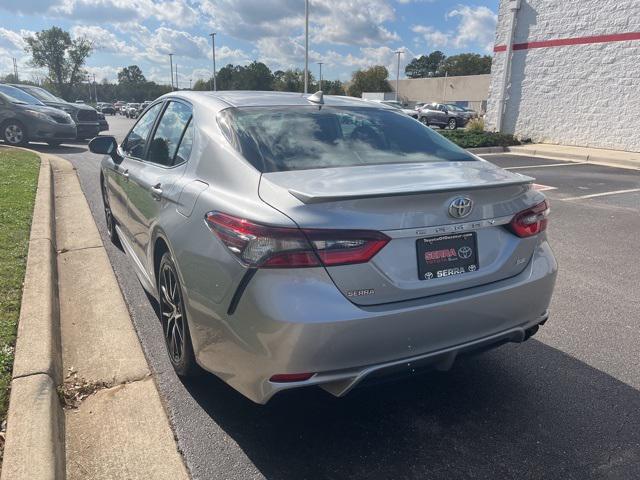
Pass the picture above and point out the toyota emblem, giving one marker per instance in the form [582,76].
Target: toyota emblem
[461,207]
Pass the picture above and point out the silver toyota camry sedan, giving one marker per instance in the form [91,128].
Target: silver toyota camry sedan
[296,240]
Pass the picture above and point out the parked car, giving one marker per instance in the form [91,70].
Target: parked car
[399,106]
[442,116]
[119,105]
[131,110]
[466,113]
[103,125]
[24,118]
[290,245]
[85,116]
[106,109]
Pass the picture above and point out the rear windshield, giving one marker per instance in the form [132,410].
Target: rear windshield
[276,139]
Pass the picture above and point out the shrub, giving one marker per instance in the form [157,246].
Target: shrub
[476,125]
[469,139]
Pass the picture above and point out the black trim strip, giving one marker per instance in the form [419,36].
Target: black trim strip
[240,290]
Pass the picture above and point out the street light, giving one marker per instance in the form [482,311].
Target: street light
[214,87]
[399,52]
[306,46]
[171,65]
[177,83]
[189,84]
[320,77]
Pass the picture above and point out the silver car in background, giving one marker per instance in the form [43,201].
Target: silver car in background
[297,240]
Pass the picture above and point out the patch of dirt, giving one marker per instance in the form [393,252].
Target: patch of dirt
[74,390]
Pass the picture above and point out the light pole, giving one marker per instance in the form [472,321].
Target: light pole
[306,46]
[95,87]
[399,52]
[171,65]
[177,83]
[320,77]
[214,87]
[189,84]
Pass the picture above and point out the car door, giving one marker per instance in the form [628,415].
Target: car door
[132,151]
[152,182]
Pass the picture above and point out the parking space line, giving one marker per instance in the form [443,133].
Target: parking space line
[569,164]
[604,194]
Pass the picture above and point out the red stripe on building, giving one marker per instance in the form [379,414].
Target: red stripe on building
[563,42]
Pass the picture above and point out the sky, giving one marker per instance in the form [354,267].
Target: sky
[344,34]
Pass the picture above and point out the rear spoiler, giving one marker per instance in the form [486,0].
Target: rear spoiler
[317,197]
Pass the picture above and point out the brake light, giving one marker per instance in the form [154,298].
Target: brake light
[261,246]
[531,221]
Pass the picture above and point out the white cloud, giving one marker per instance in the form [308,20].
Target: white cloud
[103,40]
[477,26]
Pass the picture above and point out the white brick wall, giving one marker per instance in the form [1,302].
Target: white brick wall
[584,95]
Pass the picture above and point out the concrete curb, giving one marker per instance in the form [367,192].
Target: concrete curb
[609,158]
[34,446]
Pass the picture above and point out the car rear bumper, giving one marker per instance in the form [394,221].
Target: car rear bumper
[88,129]
[298,322]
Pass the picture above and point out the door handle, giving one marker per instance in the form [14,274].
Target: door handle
[156,192]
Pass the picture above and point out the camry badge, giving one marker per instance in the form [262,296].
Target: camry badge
[461,207]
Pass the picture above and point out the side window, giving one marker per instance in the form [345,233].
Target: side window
[136,141]
[167,136]
[186,144]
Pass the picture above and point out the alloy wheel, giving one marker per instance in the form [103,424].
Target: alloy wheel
[452,124]
[172,313]
[14,134]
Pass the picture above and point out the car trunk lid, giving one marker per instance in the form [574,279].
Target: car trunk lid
[410,203]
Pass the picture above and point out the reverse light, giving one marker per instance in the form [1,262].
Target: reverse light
[531,221]
[261,246]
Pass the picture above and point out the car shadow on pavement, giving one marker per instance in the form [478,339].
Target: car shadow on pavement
[523,411]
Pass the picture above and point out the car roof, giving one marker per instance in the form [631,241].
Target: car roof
[241,98]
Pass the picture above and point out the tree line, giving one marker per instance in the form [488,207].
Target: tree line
[437,64]
[64,59]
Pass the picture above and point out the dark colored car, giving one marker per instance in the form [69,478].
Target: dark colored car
[24,118]
[442,116]
[86,117]
[107,109]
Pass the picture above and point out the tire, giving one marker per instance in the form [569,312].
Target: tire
[108,215]
[174,320]
[14,133]
[424,121]
[54,144]
[452,124]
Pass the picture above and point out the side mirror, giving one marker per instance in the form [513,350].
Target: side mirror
[104,145]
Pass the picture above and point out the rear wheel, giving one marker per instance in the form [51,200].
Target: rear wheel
[14,132]
[174,321]
[452,124]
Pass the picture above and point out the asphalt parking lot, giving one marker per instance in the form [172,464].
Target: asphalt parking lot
[564,405]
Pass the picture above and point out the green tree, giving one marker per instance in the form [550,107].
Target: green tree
[202,85]
[131,75]
[62,56]
[373,79]
[425,65]
[467,64]
[333,87]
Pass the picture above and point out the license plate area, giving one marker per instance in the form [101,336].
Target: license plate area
[447,255]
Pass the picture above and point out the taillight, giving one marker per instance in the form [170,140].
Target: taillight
[531,221]
[261,246]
